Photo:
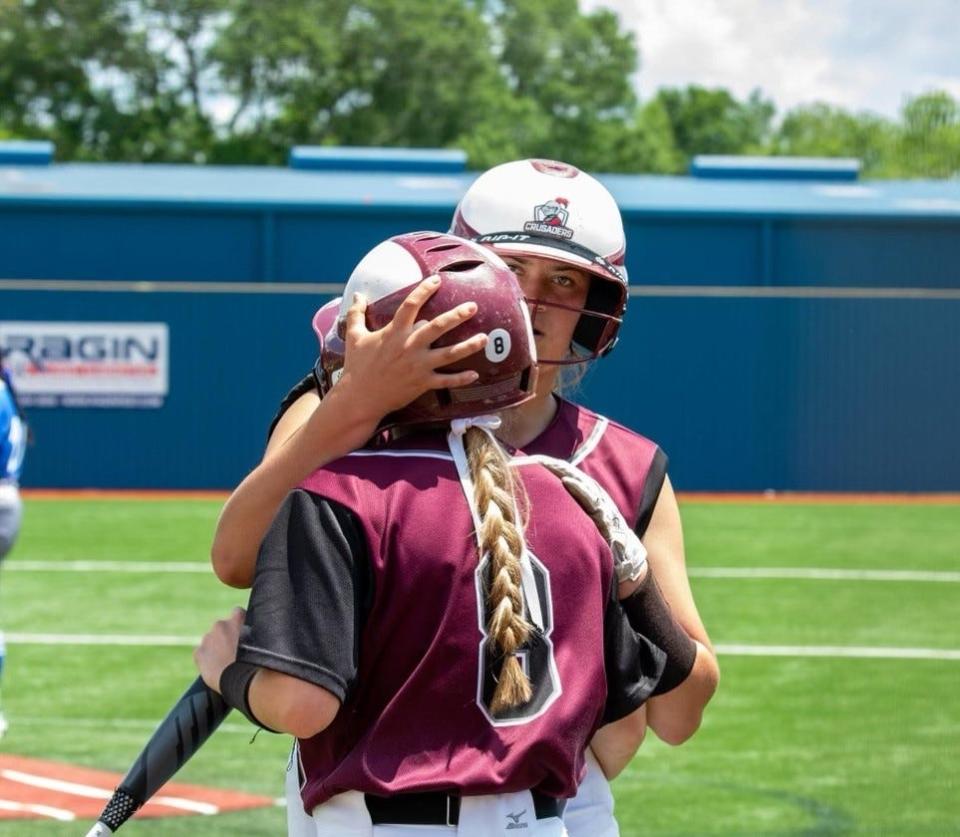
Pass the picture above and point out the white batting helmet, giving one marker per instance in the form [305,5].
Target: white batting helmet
[553,210]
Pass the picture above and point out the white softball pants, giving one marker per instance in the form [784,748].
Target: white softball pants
[588,814]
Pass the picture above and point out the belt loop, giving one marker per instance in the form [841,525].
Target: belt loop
[448,812]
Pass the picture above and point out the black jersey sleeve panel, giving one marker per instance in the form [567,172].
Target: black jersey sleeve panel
[330,680]
[633,664]
[311,593]
[651,491]
[306,384]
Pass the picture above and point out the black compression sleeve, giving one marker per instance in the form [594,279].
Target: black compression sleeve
[235,688]
[650,615]
[633,664]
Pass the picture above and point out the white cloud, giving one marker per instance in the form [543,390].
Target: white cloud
[860,54]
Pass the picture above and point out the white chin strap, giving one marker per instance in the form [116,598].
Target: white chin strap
[458,427]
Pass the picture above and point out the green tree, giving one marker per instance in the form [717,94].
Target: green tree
[713,121]
[243,80]
[925,142]
[652,147]
[820,130]
[929,140]
[642,144]
[373,72]
[505,127]
[48,51]
[104,79]
[576,69]
[428,73]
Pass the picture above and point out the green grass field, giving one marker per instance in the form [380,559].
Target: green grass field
[791,744]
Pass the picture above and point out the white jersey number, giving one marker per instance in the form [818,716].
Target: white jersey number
[536,655]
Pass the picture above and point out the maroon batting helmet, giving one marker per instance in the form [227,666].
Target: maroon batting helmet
[468,272]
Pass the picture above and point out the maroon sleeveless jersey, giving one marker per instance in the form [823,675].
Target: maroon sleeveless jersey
[629,466]
[417,716]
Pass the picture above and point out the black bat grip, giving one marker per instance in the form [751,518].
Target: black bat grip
[188,725]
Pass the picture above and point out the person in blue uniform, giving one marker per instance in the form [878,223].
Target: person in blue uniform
[13,438]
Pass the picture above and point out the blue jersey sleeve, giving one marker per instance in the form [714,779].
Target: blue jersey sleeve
[13,435]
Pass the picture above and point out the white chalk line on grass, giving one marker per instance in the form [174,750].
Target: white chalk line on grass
[102,639]
[133,725]
[836,651]
[109,567]
[729,649]
[91,792]
[802,573]
[824,574]
[41,810]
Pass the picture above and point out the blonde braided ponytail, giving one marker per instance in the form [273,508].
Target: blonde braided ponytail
[500,536]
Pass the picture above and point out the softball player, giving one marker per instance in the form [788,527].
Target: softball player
[438,672]
[13,438]
[562,234]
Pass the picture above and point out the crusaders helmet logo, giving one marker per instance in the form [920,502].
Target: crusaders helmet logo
[550,218]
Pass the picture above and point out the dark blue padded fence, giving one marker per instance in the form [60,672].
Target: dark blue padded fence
[744,393]
[211,243]
[797,335]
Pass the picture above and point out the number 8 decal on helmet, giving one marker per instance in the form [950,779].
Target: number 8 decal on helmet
[498,345]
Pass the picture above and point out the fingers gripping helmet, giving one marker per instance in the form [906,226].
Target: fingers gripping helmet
[468,272]
[553,210]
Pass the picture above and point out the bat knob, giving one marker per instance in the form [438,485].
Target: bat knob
[99,830]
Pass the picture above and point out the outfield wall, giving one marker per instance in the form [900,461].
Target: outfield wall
[210,240]
[744,392]
[783,336]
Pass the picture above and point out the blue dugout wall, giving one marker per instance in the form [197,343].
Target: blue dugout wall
[772,340]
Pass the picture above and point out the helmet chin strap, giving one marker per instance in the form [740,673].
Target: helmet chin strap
[570,361]
[458,427]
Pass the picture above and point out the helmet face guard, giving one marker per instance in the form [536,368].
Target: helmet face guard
[594,329]
[597,330]
[467,272]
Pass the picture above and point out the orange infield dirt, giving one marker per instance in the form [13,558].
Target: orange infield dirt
[36,789]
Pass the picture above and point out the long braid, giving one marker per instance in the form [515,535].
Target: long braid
[495,491]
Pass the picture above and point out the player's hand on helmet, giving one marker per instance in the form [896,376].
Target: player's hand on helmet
[629,554]
[218,647]
[396,364]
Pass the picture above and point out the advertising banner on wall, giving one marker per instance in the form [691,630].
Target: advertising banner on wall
[77,364]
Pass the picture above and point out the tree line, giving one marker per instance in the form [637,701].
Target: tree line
[241,81]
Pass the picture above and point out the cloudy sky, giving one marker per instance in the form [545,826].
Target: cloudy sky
[860,54]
